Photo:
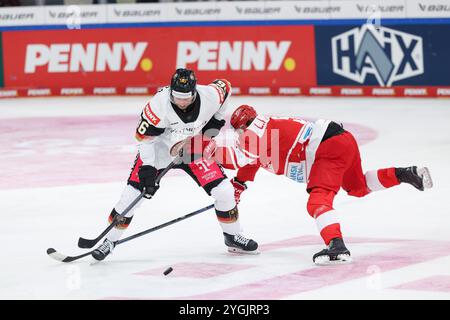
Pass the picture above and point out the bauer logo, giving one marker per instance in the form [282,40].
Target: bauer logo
[387,54]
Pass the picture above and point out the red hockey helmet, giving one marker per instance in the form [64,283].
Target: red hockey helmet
[243,116]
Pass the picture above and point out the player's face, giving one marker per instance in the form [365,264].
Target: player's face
[181,99]
[183,103]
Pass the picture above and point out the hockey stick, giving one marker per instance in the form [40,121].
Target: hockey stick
[63,258]
[140,234]
[89,243]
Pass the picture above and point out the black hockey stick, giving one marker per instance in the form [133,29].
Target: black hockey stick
[63,258]
[89,243]
[168,223]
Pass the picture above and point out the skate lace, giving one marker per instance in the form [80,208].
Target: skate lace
[105,247]
[241,239]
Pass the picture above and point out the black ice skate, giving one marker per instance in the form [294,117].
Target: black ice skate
[419,178]
[239,244]
[103,250]
[336,253]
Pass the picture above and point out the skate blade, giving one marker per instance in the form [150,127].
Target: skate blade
[240,251]
[426,177]
[325,260]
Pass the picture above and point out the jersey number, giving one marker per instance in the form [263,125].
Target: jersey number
[142,129]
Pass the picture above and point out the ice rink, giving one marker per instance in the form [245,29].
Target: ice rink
[65,161]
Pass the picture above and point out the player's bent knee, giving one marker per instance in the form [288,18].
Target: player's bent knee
[129,194]
[223,193]
[316,209]
[320,201]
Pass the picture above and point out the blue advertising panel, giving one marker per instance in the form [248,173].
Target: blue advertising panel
[393,55]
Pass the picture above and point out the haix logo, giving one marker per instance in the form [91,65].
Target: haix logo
[90,57]
[387,54]
[235,55]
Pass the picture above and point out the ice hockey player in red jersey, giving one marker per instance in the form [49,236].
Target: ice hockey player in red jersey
[172,123]
[321,154]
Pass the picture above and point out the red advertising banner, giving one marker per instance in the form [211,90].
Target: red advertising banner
[335,91]
[263,56]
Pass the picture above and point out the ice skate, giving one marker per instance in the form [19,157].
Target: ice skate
[103,250]
[239,244]
[336,253]
[419,178]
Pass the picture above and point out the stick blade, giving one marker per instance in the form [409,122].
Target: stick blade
[63,258]
[56,255]
[86,243]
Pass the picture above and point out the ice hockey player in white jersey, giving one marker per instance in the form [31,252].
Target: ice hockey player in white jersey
[180,120]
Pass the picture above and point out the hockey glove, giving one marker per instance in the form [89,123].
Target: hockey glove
[147,177]
[239,187]
[197,147]
[209,149]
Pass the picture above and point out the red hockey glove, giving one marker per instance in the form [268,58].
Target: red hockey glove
[239,187]
[210,149]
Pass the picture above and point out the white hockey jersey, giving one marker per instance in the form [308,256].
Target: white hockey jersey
[162,126]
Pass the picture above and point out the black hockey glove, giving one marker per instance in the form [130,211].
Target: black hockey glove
[147,177]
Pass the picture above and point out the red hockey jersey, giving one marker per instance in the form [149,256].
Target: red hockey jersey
[283,146]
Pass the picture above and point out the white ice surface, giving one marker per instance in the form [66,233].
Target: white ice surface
[409,131]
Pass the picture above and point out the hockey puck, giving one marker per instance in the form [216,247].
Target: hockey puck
[167,271]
